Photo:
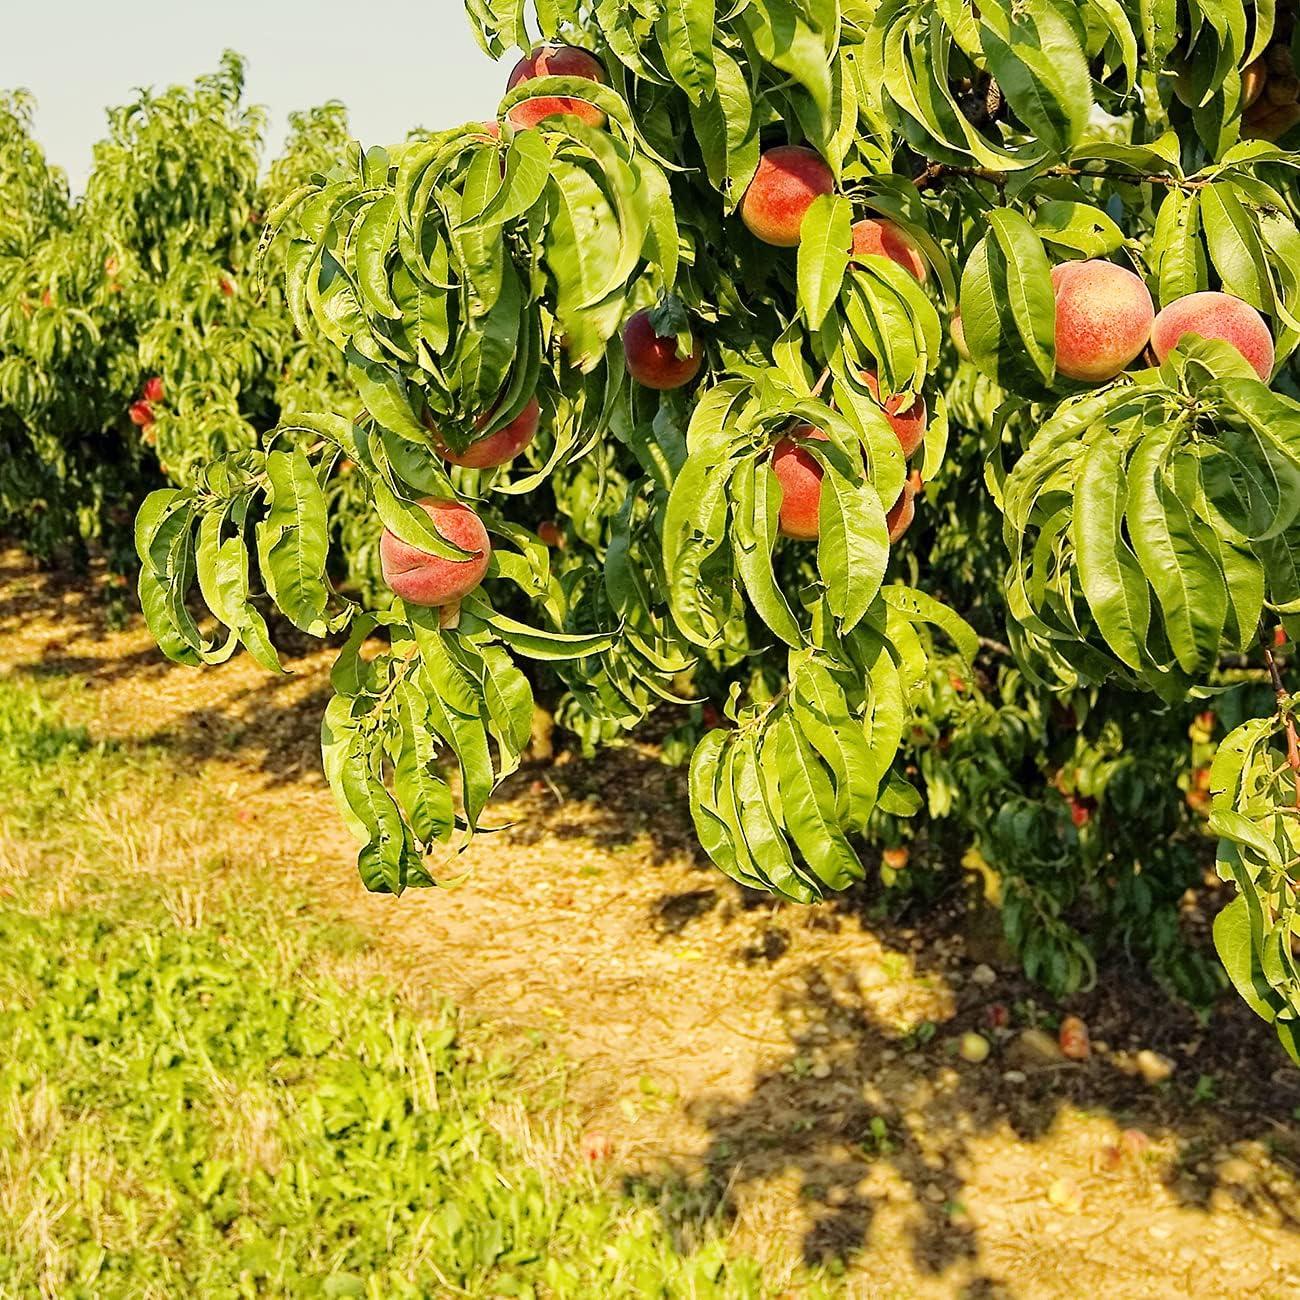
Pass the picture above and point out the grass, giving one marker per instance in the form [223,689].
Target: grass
[206,1090]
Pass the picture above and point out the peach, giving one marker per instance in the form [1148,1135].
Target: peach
[800,477]
[653,361]
[885,239]
[1253,79]
[899,519]
[555,61]
[908,420]
[788,179]
[958,331]
[1103,319]
[1216,316]
[426,579]
[497,448]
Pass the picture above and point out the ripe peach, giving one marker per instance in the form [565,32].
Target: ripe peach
[550,534]
[555,61]
[800,477]
[908,420]
[1103,319]
[153,390]
[498,448]
[425,579]
[141,414]
[885,239]
[788,179]
[1216,316]
[899,519]
[653,361]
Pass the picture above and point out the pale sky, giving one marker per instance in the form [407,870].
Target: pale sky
[394,63]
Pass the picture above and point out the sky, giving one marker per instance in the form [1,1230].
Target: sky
[396,64]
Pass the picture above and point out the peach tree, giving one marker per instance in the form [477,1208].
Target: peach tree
[131,343]
[654,368]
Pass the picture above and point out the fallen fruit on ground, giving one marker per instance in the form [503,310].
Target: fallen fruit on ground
[1074,1040]
[425,579]
[788,179]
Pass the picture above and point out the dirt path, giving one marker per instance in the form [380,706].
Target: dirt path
[797,1065]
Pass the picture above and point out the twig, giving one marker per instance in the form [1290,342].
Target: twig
[996,647]
[821,382]
[1292,744]
[935,173]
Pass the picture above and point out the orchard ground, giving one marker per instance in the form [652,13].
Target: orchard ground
[754,1081]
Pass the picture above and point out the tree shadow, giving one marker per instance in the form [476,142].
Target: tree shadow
[859,1113]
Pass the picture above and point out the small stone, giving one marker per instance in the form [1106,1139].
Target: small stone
[1235,1171]
[984,975]
[1153,1067]
[889,1054]
[821,1070]
[1064,1193]
[1034,1048]
[1015,1076]
[973,1048]
[935,1194]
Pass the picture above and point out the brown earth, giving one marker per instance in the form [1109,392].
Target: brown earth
[798,1067]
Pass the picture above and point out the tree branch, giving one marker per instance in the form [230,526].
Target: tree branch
[936,173]
[1292,744]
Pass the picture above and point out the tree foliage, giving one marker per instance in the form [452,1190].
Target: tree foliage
[146,277]
[1087,580]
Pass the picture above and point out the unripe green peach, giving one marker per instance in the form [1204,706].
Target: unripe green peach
[1103,319]
[958,331]
[788,179]
[1216,316]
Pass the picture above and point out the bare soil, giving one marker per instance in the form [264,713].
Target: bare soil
[797,1067]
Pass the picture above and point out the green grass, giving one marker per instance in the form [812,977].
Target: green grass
[205,1091]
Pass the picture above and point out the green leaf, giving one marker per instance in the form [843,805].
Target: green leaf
[852,547]
[808,803]
[685,35]
[824,241]
[756,508]
[1112,579]
[293,542]
[1034,50]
